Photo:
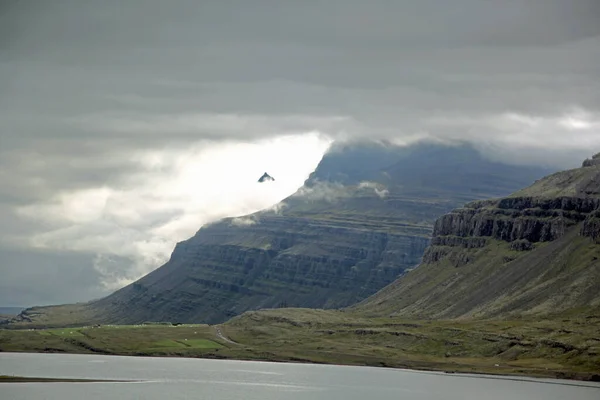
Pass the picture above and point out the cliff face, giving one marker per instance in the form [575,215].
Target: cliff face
[362,219]
[279,262]
[533,252]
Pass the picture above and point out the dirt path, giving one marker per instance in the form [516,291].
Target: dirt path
[221,336]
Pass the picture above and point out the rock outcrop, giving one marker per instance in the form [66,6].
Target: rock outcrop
[265,178]
[590,162]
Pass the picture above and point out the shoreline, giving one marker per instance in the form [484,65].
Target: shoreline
[530,349]
[31,379]
[556,378]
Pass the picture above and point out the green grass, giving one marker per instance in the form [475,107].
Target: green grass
[202,344]
[566,346]
[185,343]
[66,332]
[182,340]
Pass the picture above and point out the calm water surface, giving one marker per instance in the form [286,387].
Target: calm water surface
[179,378]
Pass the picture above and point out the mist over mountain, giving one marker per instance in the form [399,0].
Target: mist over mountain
[363,218]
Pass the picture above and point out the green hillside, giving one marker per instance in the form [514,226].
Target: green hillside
[533,253]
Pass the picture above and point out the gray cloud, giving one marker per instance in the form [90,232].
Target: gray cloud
[112,96]
[32,277]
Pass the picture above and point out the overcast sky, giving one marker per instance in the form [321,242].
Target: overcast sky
[126,125]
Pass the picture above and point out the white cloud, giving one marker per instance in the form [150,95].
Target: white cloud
[330,192]
[574,128]
[277,208]
[172,194]
[379,189]
[244,221]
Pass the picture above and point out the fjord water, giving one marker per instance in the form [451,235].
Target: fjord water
[180,378]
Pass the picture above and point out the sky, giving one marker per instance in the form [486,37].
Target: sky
[127,125]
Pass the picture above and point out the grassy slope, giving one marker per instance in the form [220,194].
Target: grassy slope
[159,340]
[563,183]
[565,347]
[556,276]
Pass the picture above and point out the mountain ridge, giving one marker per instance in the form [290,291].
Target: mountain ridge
[348,232]
[534,252]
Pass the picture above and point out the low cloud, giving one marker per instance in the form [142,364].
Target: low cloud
[379,189]
[330,192]
[277,208]
[245,221]
[133,228]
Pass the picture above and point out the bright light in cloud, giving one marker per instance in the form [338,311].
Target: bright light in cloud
[174,193]
[520,137]
[580,120]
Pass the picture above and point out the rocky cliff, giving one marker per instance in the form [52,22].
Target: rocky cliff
[535,252]
[362,219]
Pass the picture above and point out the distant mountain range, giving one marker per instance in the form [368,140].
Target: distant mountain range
[360,221]
[11,310]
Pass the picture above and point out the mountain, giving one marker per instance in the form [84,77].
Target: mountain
[533,253]
[363,218]
[7,313]
[266,178]
[11,310]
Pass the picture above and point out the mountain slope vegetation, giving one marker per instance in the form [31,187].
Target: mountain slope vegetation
[536,252]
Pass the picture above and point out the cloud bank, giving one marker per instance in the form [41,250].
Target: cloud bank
[120,122]
[132,228]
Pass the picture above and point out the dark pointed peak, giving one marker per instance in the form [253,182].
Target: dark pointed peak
[595,160]
[266,178]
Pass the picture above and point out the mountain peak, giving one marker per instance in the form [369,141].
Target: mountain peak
[578,182]
[590,162]
[266,178]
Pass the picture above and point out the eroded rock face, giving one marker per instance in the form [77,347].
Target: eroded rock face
[521,245]
[521,221]
[591,226]
[535,220]
[279,262]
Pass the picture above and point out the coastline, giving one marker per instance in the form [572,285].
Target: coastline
[31,379]
[464,370]
[521,348]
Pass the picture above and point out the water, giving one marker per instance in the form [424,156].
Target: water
[179,378]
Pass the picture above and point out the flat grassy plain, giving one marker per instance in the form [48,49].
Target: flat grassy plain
[561,347]
[140,340]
